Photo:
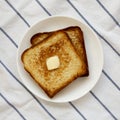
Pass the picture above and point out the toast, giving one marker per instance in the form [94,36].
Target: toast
[76,36]
[71,65]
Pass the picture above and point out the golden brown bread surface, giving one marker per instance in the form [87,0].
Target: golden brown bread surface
[76,36]
[71,65]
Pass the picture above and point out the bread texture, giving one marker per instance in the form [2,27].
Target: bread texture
[71,65]
[76,36]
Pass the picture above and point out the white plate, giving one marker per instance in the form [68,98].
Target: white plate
[82,85]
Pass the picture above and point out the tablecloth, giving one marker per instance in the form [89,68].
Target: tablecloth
[17,102]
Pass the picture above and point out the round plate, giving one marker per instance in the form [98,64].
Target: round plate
[80,86]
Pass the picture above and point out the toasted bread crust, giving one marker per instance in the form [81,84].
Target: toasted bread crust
[39,37]
[70,63]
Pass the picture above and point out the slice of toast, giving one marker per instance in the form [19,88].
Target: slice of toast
[76,36]
[71,65]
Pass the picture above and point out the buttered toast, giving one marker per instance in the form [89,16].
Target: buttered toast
[56,50]
[76,36]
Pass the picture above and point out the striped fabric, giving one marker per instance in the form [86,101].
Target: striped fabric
[17,102]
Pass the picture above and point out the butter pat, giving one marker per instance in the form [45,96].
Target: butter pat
[53,62]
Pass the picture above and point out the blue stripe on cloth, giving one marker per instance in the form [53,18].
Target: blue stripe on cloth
[103,105]
[12,106]
[6,68]
[111,80]
[9,37]
[43,7]
[93,28]
[77,111]
[117,23]
[17,13]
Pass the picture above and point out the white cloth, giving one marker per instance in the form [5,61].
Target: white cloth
[102,102]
